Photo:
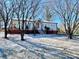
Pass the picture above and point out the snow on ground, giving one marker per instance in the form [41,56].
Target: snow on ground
[46,46]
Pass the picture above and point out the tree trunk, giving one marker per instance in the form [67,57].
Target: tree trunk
[19,23]
[34,29]
[22,31]
[5,31]
[70,36]
[22,36]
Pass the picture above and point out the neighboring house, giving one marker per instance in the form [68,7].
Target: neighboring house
[39,25]
[1,24]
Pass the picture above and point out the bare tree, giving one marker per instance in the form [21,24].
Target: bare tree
[25,9]
[17,11]
[6,7]
[68,10]
[35,12]
[48,13]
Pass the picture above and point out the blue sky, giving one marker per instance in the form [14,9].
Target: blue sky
[55,18]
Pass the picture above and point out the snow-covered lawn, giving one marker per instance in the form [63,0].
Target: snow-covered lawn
[45,46]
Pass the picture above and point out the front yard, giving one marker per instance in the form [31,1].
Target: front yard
[39,47]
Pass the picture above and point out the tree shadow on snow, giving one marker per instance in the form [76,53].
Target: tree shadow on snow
[35,48]
[5,53]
